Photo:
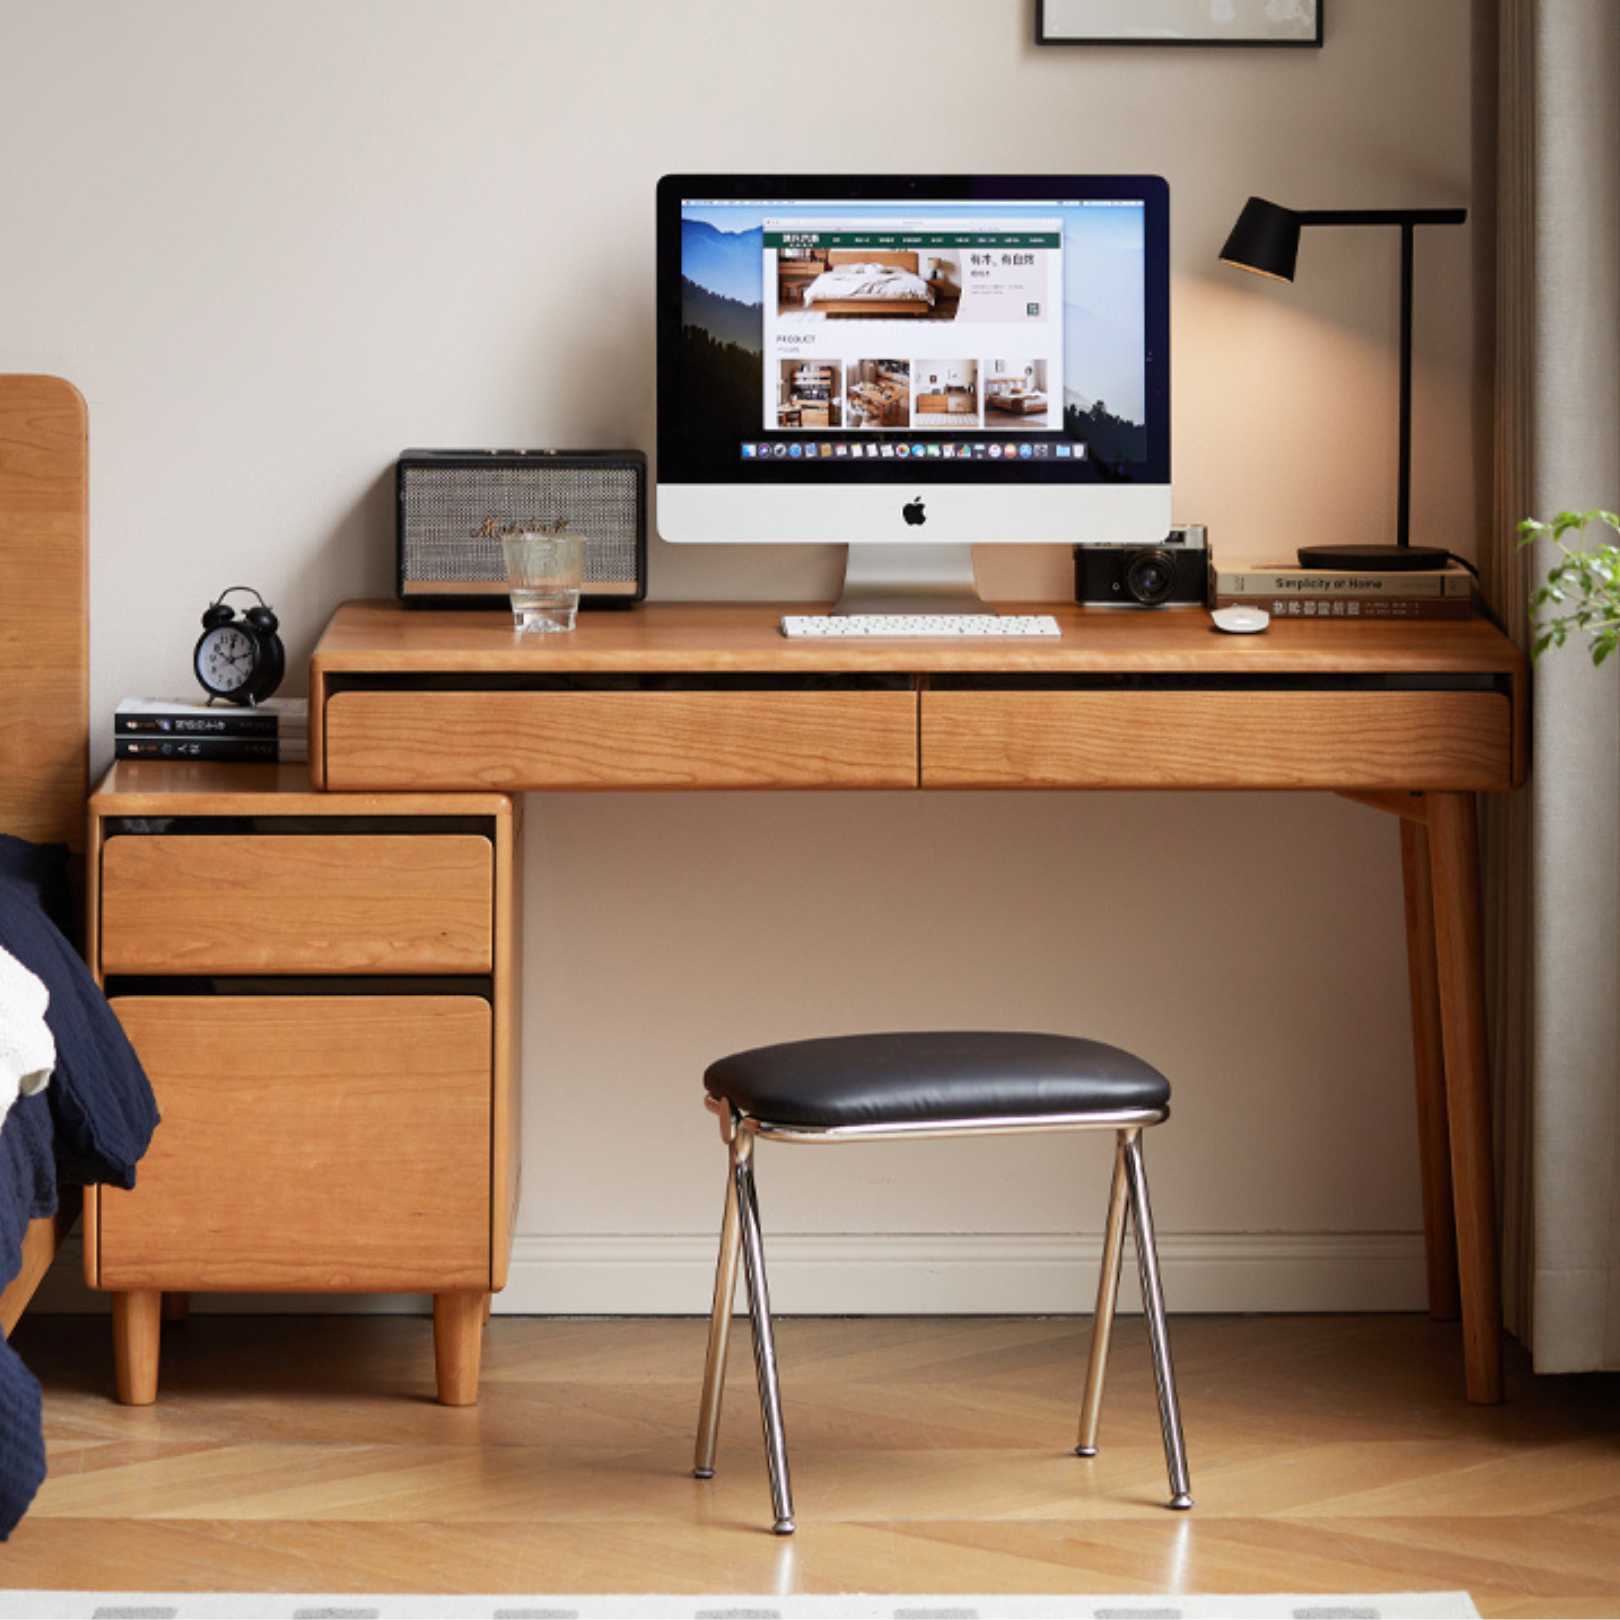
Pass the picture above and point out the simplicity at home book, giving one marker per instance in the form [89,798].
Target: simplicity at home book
[1287,579]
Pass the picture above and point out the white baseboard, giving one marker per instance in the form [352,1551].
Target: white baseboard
[924,1275]
[944,1274]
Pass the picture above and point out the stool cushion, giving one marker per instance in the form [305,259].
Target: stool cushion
[921,1079]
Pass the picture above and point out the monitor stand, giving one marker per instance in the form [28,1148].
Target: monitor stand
[936,577]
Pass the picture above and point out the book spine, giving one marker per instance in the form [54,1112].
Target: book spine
[1314,582]
[222,748]
[240,723]
[1351,607]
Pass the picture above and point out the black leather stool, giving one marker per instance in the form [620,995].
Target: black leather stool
[880,1087]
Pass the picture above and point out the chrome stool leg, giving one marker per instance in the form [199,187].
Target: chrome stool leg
[759,1308]
[1102,1323]
[1147,1261]
[725,1296]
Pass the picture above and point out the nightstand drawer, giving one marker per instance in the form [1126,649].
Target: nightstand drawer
[313,903]
[519,742]
[319,1144]
[1342,740]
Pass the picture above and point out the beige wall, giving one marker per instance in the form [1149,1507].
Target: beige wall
[277,243]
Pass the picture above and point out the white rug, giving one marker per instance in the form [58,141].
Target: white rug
[309,1606]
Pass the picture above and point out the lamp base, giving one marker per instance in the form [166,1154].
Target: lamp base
[1373,559]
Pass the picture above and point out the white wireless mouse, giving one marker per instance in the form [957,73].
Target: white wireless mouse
[1241,621]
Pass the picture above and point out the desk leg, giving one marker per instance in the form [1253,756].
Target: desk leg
[1434,1139]
[1454,861]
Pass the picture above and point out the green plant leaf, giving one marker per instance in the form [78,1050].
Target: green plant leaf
[1586,580]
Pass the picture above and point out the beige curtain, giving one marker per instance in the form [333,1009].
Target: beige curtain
[1554,853]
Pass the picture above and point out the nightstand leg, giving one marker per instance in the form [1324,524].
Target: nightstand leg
[137,1314]
[458,1334]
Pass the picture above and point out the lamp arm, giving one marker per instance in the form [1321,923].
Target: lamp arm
[1382,216]
[1403,477]
[1407,219]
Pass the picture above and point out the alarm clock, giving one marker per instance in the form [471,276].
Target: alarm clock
[239,656]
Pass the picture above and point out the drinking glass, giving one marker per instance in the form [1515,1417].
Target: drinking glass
[543,574]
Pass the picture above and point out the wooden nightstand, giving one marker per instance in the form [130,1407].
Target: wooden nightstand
[794,275]
[320,986]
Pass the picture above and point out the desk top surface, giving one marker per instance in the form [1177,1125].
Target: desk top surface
[385,637]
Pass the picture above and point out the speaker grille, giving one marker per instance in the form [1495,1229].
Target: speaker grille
[453,505]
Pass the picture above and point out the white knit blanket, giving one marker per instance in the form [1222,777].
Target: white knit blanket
[27,1049]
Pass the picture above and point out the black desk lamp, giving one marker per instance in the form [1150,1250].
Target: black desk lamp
[1266,239]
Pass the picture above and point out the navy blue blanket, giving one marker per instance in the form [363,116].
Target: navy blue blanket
[27,1189]
[92,1122]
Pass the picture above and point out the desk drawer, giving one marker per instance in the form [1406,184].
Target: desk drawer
[1348,741]
[267,903]
[521,742]
[322,1144]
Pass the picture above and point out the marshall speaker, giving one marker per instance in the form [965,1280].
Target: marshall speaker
[455,504]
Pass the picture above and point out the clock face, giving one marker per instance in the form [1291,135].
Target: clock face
[225,659]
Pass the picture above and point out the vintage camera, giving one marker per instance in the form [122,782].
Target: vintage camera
[1176,571]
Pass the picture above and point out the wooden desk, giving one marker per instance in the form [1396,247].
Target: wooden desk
[1411,718]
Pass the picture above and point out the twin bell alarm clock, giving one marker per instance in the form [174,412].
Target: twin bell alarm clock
[239,656]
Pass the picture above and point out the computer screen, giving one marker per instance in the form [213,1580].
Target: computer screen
[908,360]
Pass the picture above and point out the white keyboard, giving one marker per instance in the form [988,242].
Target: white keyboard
[881,626]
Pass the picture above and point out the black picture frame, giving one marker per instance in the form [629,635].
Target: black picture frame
[1170,23]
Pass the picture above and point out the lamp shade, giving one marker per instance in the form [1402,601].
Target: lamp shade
[1265,239]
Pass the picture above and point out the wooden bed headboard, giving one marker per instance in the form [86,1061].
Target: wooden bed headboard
[44,670]
[44,610]
[895,258]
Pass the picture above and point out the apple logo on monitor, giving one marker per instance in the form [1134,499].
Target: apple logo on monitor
[913,512]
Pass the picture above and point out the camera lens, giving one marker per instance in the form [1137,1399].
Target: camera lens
[1150,576]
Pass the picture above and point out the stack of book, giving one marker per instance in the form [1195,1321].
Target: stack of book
[276,730]
[1285,590]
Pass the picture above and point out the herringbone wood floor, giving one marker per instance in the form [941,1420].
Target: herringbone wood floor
[1329,1454]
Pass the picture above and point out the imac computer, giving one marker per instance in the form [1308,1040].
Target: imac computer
[913,365]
